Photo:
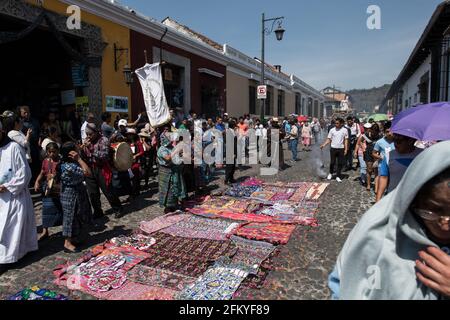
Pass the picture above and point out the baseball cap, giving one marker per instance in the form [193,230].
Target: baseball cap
[368,125]
[123,123]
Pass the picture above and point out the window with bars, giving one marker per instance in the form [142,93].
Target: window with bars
[444,87]
[280,103]
[252,99]
[310,107]
[269,102]
[298,106]
[424,88]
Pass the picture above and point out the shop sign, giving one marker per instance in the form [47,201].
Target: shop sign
[82,106]
[117,104]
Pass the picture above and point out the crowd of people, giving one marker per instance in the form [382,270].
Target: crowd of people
[70,163]
[400,247]
[381,156]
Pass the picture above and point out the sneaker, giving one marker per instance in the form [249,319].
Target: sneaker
[330,176]
[338,180]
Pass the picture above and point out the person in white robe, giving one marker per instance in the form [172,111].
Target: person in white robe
[14,127]
[18,234]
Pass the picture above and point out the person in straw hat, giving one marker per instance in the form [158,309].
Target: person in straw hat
[96,153]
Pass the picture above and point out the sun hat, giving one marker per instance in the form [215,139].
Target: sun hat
[144,133]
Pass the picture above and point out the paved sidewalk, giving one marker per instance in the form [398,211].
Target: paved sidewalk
[302,267]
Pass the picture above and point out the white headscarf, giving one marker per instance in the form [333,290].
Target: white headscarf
[386,242]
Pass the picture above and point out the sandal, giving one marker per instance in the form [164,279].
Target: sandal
[72,251]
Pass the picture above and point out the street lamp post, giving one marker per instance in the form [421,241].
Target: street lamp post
[279,34]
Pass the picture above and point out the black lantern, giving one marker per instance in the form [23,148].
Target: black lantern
[128,75]
[279,32]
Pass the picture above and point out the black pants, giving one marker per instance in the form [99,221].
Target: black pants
[337,155]
[351,149]
[94,184]
[229,172]
[136,183]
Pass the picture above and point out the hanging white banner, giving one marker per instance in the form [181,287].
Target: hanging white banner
[150,77]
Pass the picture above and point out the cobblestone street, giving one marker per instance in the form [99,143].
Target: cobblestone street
[302,267]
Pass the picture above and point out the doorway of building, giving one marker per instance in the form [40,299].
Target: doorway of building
[173,85]
[210,101]
[37,71]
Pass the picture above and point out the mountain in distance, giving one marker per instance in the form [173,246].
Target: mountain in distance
[368,99]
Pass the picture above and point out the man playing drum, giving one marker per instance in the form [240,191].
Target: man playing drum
[96,153]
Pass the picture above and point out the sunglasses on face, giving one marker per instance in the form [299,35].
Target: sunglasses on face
[430,215]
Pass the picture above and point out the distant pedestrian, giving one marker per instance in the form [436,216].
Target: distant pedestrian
[316,130]
[306,136]
[359,152]
[338,138]
[293,140]
[370,136]
[231,140]
[355,132]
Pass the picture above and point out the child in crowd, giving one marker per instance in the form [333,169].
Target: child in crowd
[46,182]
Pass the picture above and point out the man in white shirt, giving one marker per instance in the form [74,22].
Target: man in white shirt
[338,138]
[90,119]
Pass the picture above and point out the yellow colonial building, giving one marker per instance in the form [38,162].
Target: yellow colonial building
[61,56]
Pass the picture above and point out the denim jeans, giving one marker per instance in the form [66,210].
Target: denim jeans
[293,144]
[363,165]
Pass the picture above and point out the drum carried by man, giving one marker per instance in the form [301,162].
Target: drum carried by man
[97,154]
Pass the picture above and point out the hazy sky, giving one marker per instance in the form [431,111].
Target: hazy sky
[326,42]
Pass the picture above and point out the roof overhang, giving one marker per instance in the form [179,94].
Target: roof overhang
[210,72]
[437,27]
[128,18]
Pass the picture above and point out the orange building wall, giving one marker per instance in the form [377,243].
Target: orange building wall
[113,83]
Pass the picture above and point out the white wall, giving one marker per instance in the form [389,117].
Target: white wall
[410,88]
